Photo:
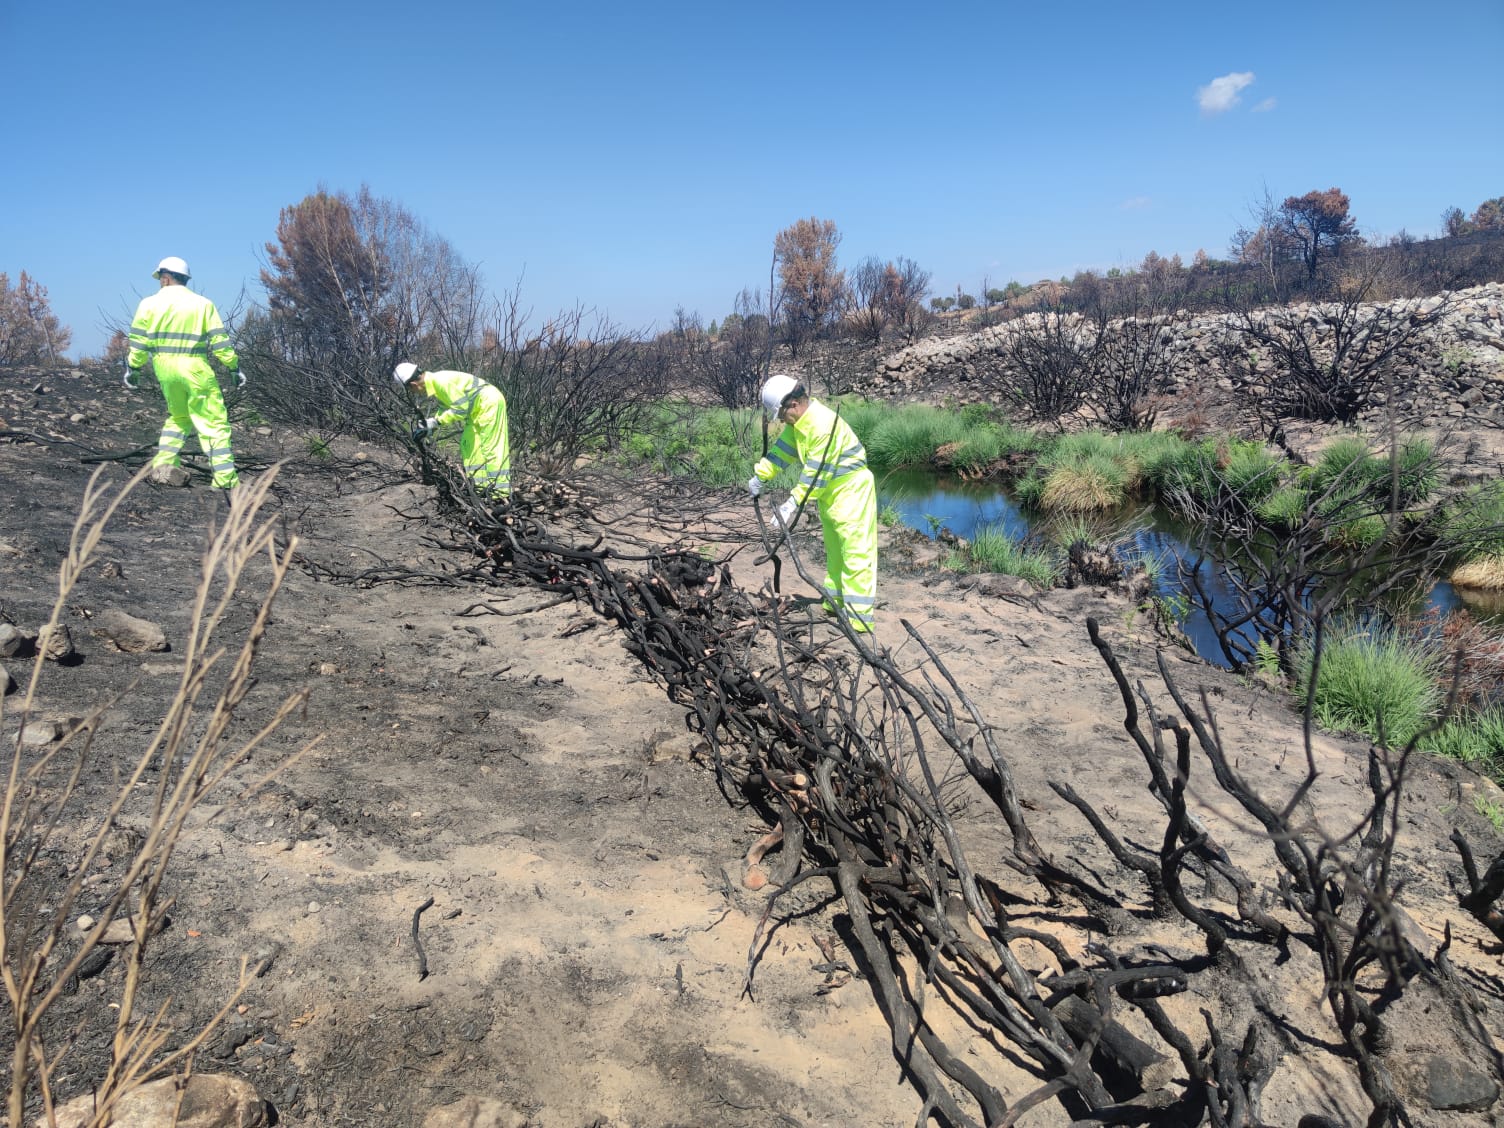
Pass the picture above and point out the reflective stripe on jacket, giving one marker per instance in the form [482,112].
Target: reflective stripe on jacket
[824,446]
[177,323]
[459,392]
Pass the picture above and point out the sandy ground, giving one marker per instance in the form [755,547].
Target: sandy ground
[589,934]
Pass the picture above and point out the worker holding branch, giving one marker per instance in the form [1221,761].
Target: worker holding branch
[484,449]
[834,475]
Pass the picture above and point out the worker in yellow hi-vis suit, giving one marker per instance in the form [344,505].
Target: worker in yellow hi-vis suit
[176,330]
[484,449]
[834,475]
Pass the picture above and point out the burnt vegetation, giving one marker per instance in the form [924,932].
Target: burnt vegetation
[879,775]
[884,786]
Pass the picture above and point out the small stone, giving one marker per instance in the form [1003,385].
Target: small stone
[130,634]
[38,734]
[174,476]
[78,417]
[85,923]
[118,931]
[1454,1085]
[14,642]
[9,549]
[327,668]
[206,1100]
[59,646]
[314,906]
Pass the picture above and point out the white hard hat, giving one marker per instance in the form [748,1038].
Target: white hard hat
[173,265]
[405,372]
[775,391]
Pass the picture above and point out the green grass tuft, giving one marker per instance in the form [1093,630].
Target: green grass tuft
[993,549]
[1371,680]
[1091,483]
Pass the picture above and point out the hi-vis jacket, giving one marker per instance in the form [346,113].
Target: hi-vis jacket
[459,392]
[827,448]
[177,330]
[485,448]
[834,475]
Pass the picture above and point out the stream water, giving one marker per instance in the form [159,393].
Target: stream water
[928,502]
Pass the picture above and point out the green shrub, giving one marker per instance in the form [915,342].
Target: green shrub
[993,549]
[1285,507]
[862,416]
[1070,530]
[1028,491]
[981,447]
[1346,459]
[1477,740]
[1474,522]
[1252,471]
[1157,453]
[1191,467]
[1419,471]
[1015,440]
[977,414]
[910,436]
[1371,680]
[1091,483]
[1365,532]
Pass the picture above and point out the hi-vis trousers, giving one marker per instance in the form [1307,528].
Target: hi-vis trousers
[194,405]
[848,517]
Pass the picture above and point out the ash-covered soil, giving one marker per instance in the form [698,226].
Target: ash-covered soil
[588,938]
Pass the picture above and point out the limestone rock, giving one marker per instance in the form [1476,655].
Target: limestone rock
[14,642]
[130,634]
[209,1101]
[37,734]
[59,644]
[118,931]
[168,476]
[475,1112]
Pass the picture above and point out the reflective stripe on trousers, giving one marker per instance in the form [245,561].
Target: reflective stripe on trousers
[194,405]
[484,449]
[848,517]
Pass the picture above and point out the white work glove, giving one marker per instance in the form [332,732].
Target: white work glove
[786,512]
[426,427]
[240,377]
[754,485]
[126,379]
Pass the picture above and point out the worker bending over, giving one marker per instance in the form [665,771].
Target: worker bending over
[176,330]
[484,450]
[834,475]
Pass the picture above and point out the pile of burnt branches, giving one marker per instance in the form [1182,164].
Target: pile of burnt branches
[863,759]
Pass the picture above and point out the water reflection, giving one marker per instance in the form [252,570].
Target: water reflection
[927,501]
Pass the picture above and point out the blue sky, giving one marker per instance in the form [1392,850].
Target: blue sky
[635,158]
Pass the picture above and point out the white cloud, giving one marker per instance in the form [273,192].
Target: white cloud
[1265,106]
[1135,203]
[1221,94]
